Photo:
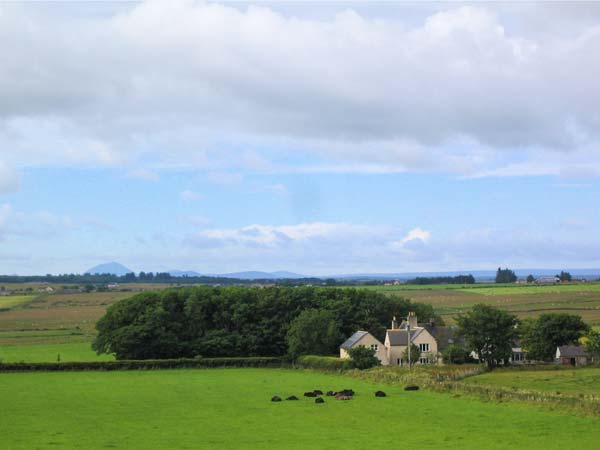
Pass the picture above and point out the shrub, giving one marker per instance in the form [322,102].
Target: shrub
[327,363]
[363,358]
[455,354]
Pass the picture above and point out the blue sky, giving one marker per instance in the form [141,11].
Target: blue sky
[317,138]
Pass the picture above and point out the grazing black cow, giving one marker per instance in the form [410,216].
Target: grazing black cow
[411,387]
[292,397]
[310,394]
[348,392]
[319,400]
[318,392]
[379,394]
[331,393]
[276,399]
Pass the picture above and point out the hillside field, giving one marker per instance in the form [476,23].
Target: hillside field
[523,300]
[231,408]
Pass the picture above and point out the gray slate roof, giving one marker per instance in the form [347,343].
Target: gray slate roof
[348,343]
[400,337]
[572,351]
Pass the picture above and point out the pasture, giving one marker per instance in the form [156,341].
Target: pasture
[231,408]
[523,300]
[12,301]
[80,351]
[557,380]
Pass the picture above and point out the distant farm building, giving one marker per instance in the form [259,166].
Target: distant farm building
[572,355]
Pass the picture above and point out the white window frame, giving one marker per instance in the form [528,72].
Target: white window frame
[375,347]
[424,347]
[423,361]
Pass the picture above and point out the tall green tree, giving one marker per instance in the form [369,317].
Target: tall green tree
[415,354]
[489,332]
[505,276]
[564,276]
[530,279]
[314,332]
[540,337]
[363,358]
[592,344]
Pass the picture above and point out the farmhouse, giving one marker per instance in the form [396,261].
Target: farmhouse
[430,338]
[571,355]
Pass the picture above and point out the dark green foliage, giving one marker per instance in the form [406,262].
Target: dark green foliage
[459,279]
[182,363]
[592,344]
[363,358]
[237,321]
[415,354]
[564,276]
[505,276]
[548,331]
[455,354]
[530,278]
[489,332]
[314,331]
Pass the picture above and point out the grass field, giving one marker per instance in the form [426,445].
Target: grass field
[12,301]
[231,408]
[564,381]
[81,351]
[523,300]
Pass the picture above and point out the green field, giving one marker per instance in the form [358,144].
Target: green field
[231,408]
[564,381]
[80,351]
[12,301]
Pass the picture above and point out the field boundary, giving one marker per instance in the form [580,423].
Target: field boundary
[184,363]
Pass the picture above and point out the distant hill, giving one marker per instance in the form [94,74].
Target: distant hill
[184,273]
[114,268]
[256,275]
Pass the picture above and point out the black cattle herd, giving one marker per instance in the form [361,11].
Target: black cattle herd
[344,394]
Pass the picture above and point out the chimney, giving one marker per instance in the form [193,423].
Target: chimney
[412,320]
[394,323]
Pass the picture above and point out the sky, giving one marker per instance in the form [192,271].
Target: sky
[316,137]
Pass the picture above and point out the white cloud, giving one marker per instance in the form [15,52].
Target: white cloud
[416,234]
[189,196]
[466,89]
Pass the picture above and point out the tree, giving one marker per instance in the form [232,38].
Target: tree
[548,331]
[314,332]
[489,332]
[564,276]
[592,344]
[415,354]
[455,354]
[505,276]
[530,279]
[363,358]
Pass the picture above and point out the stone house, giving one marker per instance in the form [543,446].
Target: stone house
[429,337]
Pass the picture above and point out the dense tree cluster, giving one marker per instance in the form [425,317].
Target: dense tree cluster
[505,276]
[489,332]
[459,279]
[242,321]
[541,336]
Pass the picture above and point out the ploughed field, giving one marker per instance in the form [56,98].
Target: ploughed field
[523,300]
[231,408]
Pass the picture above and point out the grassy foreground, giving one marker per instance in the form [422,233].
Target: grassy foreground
[80,351]
[231,408]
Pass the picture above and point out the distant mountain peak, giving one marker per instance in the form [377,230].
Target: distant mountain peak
[113,268]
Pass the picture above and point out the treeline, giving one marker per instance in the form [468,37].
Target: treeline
[241,321]
[160,277]
[459,279]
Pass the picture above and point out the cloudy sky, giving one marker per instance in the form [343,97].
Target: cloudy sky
[313,137]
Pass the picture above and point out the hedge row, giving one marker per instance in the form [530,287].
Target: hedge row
[327,363]
[150,364]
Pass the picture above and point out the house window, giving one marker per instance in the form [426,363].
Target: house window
[423,360]
[399,361]
[518,356]
[375,347]
[424,348]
